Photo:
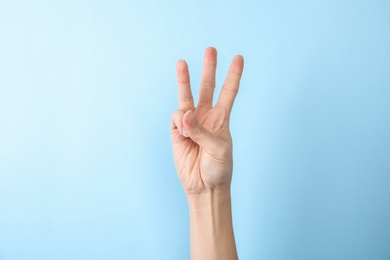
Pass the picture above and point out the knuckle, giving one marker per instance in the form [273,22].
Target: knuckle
[230,88]
[236,73]
[186,100]
[176,116]
[210,84]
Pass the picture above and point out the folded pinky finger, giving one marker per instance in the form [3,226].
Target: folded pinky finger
[177,121]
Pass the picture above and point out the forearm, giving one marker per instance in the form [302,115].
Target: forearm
[211,226]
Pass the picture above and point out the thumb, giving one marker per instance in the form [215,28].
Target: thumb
[201,135]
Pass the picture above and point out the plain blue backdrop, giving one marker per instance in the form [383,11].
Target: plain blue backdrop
[86,93]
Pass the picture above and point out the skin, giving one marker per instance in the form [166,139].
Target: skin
[202,150]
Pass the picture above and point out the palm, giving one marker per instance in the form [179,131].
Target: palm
[204,165]
[197,168]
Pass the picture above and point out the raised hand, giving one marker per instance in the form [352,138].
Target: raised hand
[202,144]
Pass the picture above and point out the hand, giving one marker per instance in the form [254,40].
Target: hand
[202,144]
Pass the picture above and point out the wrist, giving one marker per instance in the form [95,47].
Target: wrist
[211,198]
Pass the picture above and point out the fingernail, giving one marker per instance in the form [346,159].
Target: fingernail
[191,118]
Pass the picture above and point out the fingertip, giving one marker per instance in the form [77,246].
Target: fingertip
[182,73]
[181,64]
[210,57]
[239,59]
[211,50]
[237,65]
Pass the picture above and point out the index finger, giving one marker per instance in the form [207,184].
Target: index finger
[186,100]
[232,83]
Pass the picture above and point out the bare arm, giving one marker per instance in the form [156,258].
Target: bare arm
[211,227]
[202,147]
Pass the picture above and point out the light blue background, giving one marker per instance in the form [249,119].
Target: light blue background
[86,92]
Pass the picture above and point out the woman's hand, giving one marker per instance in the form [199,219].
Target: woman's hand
[202,144]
